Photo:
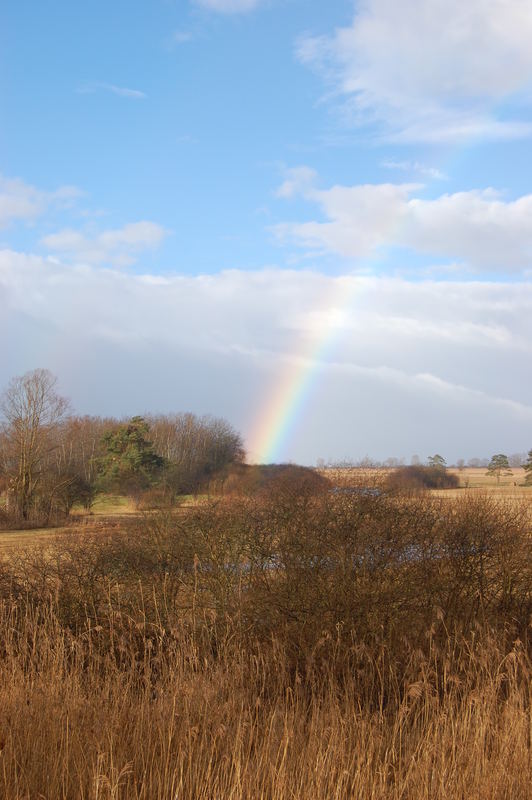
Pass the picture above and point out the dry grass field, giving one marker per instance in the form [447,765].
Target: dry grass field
[79,527]
[19,539]
[477,478]
[109,512]
[295,646]
[81,721]
[473,479]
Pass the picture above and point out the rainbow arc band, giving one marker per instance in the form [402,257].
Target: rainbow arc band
[286,404]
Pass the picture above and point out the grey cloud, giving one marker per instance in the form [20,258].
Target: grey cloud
[393,367]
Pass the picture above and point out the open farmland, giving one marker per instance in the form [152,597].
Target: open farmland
[110,512]
[473,479]
[477,478]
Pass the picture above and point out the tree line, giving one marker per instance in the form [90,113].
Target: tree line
[52,459]
[497,466]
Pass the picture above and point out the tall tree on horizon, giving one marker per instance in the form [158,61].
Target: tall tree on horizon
[32,411]
[130,462]
[499,465]
[528,469]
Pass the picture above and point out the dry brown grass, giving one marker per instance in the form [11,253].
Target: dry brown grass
[477,480]
[16,539]
[473,479]
[79,526]
[143,666]
[75,724]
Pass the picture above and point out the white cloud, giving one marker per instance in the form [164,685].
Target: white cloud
[397,367]
[120,247]
[21,201]
[416,167]
[229,6]
[477,227]
[360,218]
[430,69]
[121,91]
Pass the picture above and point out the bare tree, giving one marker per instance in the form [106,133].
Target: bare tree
[196,448]
[80,447]
[517,460]
[32,410]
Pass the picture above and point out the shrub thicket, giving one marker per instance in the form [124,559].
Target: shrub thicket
[298,565]
[417,477]
[265,479]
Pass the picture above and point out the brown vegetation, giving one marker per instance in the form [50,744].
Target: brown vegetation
[295,645]
[263,479]
[421,477]
[51,461]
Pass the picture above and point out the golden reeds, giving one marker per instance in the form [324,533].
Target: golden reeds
[147,667]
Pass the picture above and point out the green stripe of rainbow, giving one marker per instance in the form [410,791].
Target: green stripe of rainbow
[284,407]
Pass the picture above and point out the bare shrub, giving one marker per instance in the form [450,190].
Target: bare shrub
[421,477]
[263,479]
[305,565]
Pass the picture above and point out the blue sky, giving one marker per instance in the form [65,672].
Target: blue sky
[222,106]
[202,192]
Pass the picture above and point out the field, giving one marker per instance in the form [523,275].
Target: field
[109,512]
[289,645]
[473,479]
[477,479]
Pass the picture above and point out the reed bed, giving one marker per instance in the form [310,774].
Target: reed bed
[148,667]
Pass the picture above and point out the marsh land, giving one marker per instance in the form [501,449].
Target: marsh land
[284,642]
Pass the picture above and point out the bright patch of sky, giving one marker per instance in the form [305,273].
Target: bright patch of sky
[187,189]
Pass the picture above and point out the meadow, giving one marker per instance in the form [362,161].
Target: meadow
[290,643]
[475,479]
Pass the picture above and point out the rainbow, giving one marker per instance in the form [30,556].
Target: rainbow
[285,404]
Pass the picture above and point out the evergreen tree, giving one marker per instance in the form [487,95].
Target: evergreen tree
[499,465]
[528,469]
[130,463]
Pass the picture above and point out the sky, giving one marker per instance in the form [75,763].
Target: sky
[313,219]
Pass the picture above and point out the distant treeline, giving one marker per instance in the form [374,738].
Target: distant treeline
[515,461]
[52,459]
